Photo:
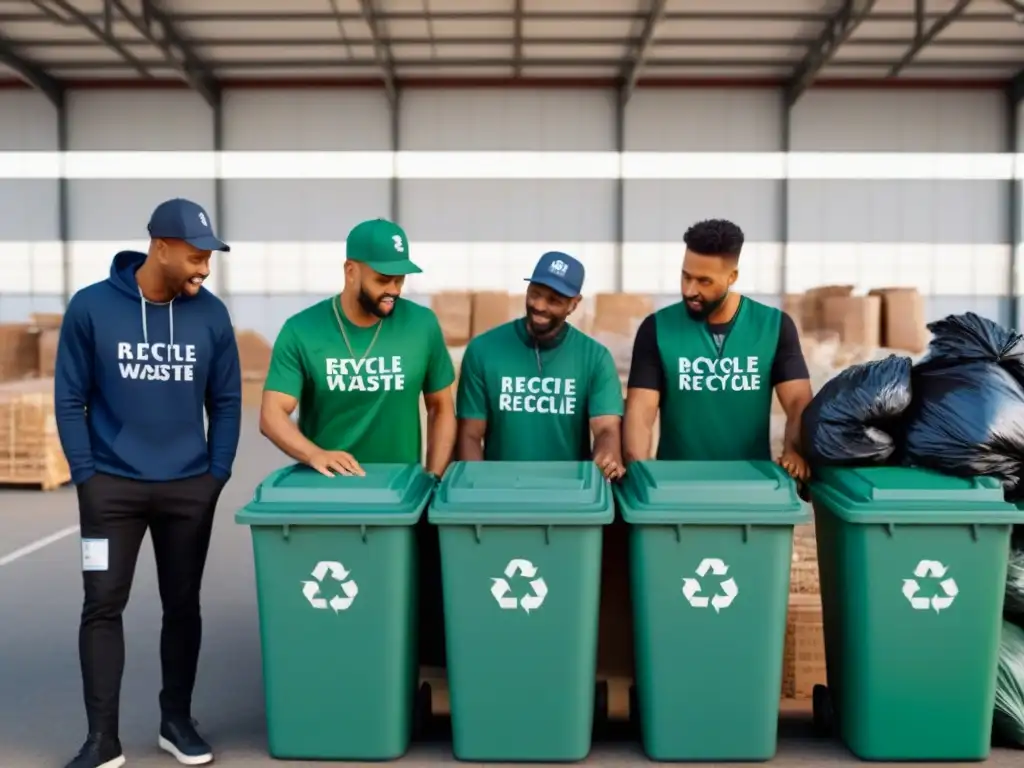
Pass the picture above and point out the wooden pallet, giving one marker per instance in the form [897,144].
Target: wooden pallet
[440,700]
[30,450]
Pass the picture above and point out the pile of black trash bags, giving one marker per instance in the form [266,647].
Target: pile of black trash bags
[958,410]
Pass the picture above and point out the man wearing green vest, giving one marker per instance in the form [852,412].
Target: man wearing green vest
[709,365]
[355,365]
[537,389]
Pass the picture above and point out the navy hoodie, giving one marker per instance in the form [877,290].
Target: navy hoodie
[133,378]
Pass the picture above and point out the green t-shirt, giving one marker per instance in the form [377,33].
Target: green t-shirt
[369,404]
[537,400]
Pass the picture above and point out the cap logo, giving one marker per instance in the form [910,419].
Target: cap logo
[399,245]
[202,219]
[558,268]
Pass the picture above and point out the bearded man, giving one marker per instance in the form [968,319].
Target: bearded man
[707,366]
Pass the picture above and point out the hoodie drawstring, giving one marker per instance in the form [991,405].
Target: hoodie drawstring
[145,328]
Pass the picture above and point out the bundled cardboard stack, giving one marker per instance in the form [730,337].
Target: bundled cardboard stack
[30,451]
[803,664]
[892,318]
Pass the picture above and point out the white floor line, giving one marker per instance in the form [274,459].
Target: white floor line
[37,545]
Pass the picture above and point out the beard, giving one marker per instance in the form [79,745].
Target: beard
[706,308]
[541,326]
[372,305]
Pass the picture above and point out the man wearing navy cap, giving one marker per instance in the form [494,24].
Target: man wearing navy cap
[537,389]
[142,355]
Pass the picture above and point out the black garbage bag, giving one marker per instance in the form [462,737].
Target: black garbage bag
[1008,723]
[853,418]
[967,420]
[968,338]
[1013,604]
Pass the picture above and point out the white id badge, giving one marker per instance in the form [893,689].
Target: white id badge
[95,554]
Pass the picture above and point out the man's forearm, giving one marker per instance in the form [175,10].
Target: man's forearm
[441,431]
[794,421]
[638,434]
[278,427]
[609,441]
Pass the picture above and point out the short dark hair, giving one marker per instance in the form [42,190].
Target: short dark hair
[715,237]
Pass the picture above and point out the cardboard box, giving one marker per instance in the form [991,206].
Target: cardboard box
[490,309]
[454,310]
[812,306]
[903,324]
[857,319]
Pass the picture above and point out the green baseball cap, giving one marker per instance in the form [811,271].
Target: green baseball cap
[382,246]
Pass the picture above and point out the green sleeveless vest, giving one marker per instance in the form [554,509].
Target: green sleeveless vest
[717,405]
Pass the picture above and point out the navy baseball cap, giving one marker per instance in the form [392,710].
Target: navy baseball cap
[560,272]
[181,219]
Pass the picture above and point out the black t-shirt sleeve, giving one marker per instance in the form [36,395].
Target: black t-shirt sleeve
[645,369]
[789,364]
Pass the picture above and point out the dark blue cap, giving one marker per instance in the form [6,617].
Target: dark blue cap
[560,272]
[181,219]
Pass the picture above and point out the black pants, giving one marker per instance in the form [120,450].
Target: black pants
[179,516]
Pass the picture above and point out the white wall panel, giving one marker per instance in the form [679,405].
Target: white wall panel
[732,123]
[106,215]
[287,234]
[942,234]
[31,255]
[489,232]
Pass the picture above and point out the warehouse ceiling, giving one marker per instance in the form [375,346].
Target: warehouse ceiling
[206,43]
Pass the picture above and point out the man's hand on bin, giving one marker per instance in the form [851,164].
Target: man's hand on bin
[794,463]
[330,462]
[609,465]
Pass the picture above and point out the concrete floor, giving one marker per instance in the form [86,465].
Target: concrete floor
[41,718]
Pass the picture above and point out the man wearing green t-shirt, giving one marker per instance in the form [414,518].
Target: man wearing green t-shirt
[355,366]
[709,364]
[536,389]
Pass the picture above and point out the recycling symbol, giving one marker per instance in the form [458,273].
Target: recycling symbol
[935,570]
[349,589]
[501,589]
[691,587]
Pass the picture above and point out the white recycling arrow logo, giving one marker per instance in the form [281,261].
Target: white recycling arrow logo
[930,569]
[691,586]
[501,589]
[338,603]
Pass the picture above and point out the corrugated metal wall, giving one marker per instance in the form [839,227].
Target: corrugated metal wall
[946,234]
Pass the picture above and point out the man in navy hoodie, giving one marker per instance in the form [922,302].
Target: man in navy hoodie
[142,354]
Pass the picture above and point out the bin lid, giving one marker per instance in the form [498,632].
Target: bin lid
[522,493]
[910,495]
[709,492]
[389,494]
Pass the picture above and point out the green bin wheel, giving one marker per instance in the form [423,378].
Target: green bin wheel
[601,706]
[423,711]
[821,702]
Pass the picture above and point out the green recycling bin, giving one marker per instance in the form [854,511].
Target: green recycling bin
[521,573]
[711,544]
[913,569]
[335,562]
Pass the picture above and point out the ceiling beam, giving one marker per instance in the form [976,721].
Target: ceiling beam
[923,38]
[635,63]
[475,62]
[31,73]
[381,50]
[836,32]
[75,16]
[166,39]
[735,17]
[329,41]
